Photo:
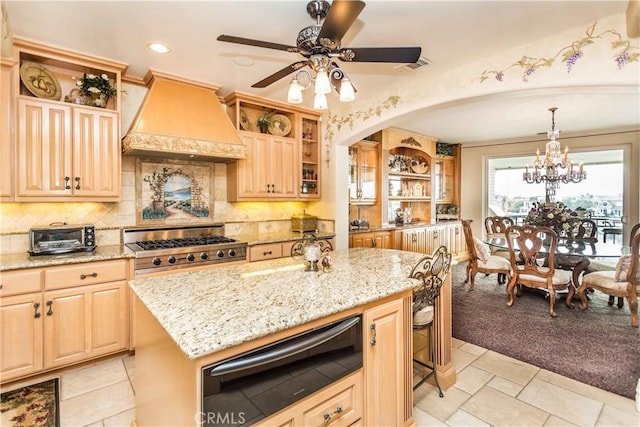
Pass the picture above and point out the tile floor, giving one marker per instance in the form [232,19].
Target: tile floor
[491,390]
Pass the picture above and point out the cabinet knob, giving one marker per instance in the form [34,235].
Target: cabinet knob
[36,306]
[374,338]
[266,253]
[77,179]
[66,183]
[84,276]
[50,305]
[326,418]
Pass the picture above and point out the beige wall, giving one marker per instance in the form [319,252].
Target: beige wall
[474,183]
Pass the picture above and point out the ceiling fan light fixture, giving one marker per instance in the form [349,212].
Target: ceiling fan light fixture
[294,96]
[320,102]
[323,86]
[347,93]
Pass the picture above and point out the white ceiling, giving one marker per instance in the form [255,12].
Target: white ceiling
[451,34]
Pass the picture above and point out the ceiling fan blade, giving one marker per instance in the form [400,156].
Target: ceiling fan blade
[404,55]
[257,43]
[280,74]
[342,14]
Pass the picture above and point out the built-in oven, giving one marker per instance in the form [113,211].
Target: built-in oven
[249,387]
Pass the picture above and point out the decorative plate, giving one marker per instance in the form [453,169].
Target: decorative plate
[244,120]
[419,165]
[40,81]
[280,125]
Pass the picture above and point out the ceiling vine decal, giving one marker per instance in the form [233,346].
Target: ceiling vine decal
[624,53]
[335,122]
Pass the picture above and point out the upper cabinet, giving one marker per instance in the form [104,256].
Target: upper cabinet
[363,173]
[67,144]
[7,130]
[283,151]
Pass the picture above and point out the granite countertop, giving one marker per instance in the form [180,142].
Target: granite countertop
[15,261]
[265,238]
[205,313]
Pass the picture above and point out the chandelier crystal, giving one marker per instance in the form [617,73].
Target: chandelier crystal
[555,167]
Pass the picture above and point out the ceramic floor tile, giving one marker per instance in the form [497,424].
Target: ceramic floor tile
[614,400]
[554,421]
[472,379]
[463,419]
[506,367]
[610,416]
[424,419]
[461,359]
[91,378]
[426,398]
[455,342]
[505,386]
[473,349]
[123,419]
[561,402]
[499,409]
[96,405]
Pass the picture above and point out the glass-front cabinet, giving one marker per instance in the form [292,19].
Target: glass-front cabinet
[363,173]
[409,185]
[444,180]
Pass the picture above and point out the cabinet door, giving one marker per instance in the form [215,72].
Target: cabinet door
[363,173]
[416,240]
[283,165]
[383,364]
[96,154]
[85,322]
[248,178]
[444,185]
[21,339]
[44,149]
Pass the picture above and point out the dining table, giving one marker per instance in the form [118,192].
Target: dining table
[570,254]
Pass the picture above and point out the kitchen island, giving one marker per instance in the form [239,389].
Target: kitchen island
[188,321]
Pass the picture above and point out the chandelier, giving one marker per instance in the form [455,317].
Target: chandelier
[328,76]
[555,167]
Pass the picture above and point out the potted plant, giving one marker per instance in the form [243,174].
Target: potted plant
[264,121]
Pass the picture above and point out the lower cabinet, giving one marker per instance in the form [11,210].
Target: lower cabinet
[67,322]
[376,239]
[270,251]
[427,239]
[384,363]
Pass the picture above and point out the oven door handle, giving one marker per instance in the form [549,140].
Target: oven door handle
[283,350]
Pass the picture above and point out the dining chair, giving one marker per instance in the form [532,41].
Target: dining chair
[481,260]
[533,268]
[608,264]
[623,282]
[582,229]
[432,271]
[497,225]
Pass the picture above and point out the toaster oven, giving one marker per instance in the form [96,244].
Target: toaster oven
[61,239]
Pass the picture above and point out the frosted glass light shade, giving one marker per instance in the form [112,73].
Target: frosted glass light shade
[346,90]
[294,95]
[322,82]
[320,102]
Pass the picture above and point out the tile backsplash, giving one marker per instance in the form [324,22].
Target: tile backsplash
[109,218]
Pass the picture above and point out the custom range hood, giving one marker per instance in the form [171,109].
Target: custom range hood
[182,119]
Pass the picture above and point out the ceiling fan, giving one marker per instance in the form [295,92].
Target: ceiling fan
[320,44]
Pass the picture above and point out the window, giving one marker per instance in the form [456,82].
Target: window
[600,194]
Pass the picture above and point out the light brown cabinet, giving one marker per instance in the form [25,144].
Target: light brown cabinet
[429,238]
[270,251]
[444,185]
[268,172]
[67,153]
[363,173]
[6,130]
[281,166]
[82,313]
[376,239]
[385,361]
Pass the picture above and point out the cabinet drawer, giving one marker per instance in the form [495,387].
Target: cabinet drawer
[342,408]
[20,282]
[85,274]
[263,252]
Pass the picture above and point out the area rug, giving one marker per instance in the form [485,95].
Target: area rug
[32,406]
[597,346]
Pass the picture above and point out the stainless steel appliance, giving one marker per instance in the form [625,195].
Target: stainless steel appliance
[168,248]
[254,385]
[60,238]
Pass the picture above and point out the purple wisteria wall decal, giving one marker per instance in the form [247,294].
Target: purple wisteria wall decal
[623,53]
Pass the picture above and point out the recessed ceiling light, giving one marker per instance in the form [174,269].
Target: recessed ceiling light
[243,60]
[158,48]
